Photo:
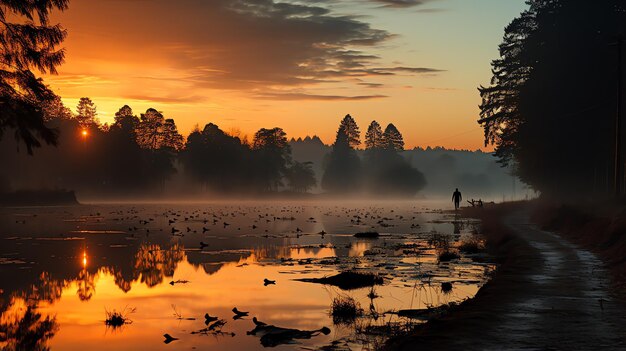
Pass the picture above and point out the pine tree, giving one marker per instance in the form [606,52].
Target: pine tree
[86,112]
[342,173]
[55,109]
[550,107]
[349,127]
[26,46]
[392,139]
[374,137]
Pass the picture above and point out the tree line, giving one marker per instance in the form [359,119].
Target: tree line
[137,153]
[383,171]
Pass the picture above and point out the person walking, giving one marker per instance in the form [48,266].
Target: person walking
[456,198]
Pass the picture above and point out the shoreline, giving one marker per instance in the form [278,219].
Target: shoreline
[507,311]
[32,198]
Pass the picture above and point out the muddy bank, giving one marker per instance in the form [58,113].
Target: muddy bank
[546,294]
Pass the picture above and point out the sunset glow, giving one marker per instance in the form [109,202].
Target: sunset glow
[243,69]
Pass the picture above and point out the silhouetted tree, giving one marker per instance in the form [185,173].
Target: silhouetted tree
[25,46]
[392,139]
[150,129]
[161,137]
[86,113]
[387,173]
[301,176]
[374,137]
[351,129]
[54,108]
[342,172]
[215,159]
[272,155]
[125,161]
[550,108]
[126,121]
[171,138]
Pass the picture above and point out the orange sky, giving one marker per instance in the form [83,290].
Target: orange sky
[248,64]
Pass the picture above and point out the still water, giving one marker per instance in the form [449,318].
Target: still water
[164,266]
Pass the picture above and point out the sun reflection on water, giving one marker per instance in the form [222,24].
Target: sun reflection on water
[152,273]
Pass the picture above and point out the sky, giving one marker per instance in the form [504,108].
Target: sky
[296,64]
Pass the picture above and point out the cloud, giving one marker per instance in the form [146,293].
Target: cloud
[306,96]
[166,99]
[238,45]
[371,85]
[401,3]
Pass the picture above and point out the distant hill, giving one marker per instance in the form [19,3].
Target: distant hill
[475,173]
[310,149]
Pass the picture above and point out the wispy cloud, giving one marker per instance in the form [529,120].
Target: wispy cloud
[401,3]
[306,96]
[237,45]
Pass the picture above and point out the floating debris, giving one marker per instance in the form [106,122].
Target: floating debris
[367,235]
[348,280]
[272,336]
[168,338]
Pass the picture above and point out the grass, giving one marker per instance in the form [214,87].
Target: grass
[447,255]
[115,319]
[471,245]
[345,310]
[439,241]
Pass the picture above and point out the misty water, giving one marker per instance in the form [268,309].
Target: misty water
[63,268]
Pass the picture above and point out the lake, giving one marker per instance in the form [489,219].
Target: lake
[163,266]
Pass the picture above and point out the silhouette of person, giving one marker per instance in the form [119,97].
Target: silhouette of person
[456,198]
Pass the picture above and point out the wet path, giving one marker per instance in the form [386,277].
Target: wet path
[567,304]
[553,296]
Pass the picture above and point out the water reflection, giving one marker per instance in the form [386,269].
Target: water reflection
[119,268]
[22,327]
[153,263]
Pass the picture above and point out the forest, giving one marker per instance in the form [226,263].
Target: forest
[143,153]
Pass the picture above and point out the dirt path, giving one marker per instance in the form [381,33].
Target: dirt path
[552,296]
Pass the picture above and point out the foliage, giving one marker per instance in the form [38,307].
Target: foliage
[374,137]
[215,159]
[349,127]
[272,155]
[25,46]
[86,113]
[392,139]
[345,310]
[54,108]
[154,132]
[386,172]
[342,173]
[550,107]
[301,177]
